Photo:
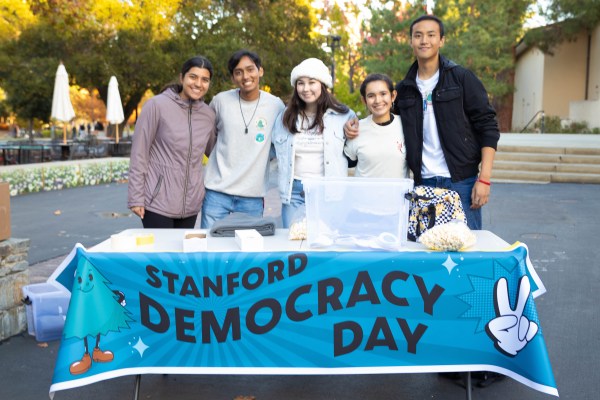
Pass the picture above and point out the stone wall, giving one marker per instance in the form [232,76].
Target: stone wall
[14,274]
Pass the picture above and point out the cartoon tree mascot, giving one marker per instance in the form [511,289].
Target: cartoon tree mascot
[94,310]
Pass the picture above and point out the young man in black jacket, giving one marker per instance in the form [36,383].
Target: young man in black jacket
[450,128]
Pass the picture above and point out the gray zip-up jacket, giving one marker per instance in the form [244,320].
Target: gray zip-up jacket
[171,136]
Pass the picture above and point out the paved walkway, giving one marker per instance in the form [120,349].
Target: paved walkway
[553,220]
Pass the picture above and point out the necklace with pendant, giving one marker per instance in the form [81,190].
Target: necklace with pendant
[246,125]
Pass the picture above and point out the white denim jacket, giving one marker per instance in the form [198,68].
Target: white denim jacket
[336,164]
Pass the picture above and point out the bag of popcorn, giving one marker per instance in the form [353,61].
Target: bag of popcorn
[298,225]
[451,236]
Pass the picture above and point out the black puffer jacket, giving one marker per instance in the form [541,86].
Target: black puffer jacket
[465,119]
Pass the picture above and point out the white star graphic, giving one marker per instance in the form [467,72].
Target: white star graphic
[449,264]
[141,347]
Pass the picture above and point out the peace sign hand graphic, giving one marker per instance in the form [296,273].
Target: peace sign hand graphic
[510,329]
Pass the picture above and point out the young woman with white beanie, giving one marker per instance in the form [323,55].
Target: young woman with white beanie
[308,135]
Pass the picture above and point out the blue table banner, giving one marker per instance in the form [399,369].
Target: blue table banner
[301,313]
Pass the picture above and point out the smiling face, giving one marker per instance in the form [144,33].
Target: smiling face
[378,100]
[85,280]
[426,40]
[246,76]
[309,91]
[195,83]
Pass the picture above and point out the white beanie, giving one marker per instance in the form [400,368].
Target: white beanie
[311,68]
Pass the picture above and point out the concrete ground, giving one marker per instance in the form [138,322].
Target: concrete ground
[558,222]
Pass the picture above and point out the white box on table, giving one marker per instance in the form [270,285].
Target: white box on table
[46,307]
[125,242]
[122,242]
[194,241]
[357,212]
[249,240]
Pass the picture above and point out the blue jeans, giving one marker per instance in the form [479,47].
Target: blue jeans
[218,205]
[296,202]
[464,189]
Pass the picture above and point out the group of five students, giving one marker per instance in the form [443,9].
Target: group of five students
[437,123]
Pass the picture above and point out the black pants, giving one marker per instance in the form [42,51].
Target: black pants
[153,220]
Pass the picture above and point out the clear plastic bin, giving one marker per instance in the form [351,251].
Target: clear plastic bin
[46,307]
[357,212]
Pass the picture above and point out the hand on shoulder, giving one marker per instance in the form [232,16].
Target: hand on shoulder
[351,128]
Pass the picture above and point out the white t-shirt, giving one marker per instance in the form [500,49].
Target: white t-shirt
[309,145]
[379,149]
[434,162]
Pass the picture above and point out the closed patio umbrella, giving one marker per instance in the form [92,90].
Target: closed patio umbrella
[114,107]
[62,109]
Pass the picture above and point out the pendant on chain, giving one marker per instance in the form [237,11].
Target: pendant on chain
[246,125]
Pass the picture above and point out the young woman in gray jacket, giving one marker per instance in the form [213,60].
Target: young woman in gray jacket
[173,132]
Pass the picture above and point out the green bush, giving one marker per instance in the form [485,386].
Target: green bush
[553,124]
[56,176]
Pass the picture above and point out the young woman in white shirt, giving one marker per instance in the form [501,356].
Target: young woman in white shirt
[379,149]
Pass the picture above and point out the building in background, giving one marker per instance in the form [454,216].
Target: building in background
[564,82]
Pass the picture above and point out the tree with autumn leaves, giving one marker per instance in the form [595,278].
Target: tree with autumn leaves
[480,35]
[143,42]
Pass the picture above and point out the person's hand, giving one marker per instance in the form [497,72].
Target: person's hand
[138,210]
[480,195]
[511,330]
[351,128]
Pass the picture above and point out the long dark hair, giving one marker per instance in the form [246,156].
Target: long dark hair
[197,61]
[296,107]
